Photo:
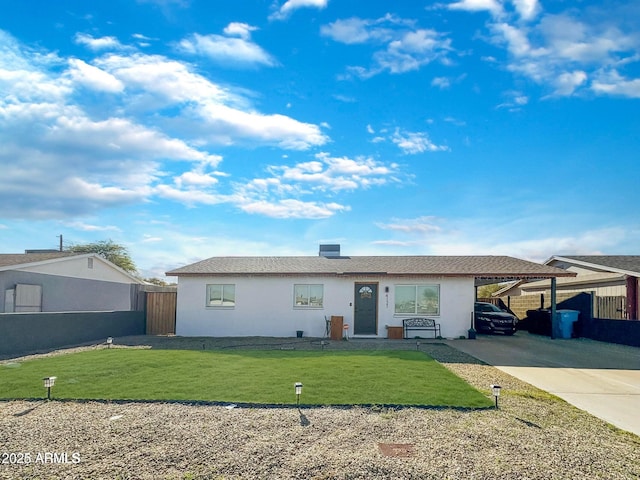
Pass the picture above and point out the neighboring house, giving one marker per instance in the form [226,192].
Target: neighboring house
[277,296]
[64,282]
[604,275]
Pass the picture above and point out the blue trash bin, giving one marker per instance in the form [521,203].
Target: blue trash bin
[566,319]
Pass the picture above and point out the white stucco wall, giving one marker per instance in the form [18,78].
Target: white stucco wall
[264,306]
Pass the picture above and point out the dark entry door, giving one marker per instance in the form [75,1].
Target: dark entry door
[365,316]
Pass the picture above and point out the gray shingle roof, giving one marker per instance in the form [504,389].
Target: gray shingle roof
[10,259]
[626,263]
[471,266]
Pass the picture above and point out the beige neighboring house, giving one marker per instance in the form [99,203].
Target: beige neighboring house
[603,275]
[64,282]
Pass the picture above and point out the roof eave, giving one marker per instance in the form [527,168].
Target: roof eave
[593,265]
[503,275]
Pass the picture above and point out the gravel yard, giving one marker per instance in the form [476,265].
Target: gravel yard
[532,436]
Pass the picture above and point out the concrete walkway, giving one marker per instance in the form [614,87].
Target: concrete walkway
[601,378]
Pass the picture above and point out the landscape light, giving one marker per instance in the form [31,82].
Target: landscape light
[48,383]
[109,342]
[496,392]
[417,344]
[322,344]
[298,387]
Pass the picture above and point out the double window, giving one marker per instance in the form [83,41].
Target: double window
[221,295]
[417,299]
[308,296]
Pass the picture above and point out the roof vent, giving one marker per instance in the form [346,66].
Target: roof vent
[329,251]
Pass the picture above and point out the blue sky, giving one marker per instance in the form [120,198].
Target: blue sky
[185,129]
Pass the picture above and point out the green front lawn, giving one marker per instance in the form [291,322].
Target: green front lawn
[247,376]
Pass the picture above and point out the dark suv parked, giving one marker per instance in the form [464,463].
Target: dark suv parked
[490,319]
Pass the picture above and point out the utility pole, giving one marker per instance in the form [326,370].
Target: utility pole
[60,241]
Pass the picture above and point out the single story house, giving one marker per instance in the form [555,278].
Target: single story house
[277,296]
[604,275]
[53,281]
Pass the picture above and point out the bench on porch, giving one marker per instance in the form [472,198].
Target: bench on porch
[420,323]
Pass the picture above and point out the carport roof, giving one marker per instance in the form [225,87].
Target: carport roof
[487,269]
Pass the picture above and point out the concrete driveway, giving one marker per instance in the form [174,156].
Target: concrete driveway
[601,378]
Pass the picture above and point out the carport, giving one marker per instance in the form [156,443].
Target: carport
[531,276]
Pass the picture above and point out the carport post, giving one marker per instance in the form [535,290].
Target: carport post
[554,320]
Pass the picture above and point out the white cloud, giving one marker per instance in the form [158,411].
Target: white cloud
[86,227]
[196,178]
[102,43]
[493,6]
[344,98]
[517,40]
[191,196]
[612,83]
[336,173]
[437,236]
[121,168]
[238,29]
[236,48]
[590,242]
[412,143]
[117,137]
[92,77]
[527,9]
[564,53]
[411,51]
[23,74]
[421,225]
[404,47]
[81,164]
[441,82]
[199,177]
[151,239]
[455,121]
[576,41]
[357,30]
[567,82]
[515,100]
[282,194]
[291,5]
[219,115]
[291,208]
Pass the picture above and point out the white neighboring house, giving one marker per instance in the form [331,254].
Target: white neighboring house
[64,282]
[277,296]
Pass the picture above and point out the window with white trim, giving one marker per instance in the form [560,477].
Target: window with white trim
[308,296]
[221,295]
[417,299]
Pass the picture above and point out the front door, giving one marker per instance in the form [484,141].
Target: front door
[365,315]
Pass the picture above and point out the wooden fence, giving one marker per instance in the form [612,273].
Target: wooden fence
[614,308]
[161,313]
[611,307]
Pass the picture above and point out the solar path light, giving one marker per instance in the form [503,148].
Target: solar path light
[48,383]
[109,342]
[298,387]
[495,389]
